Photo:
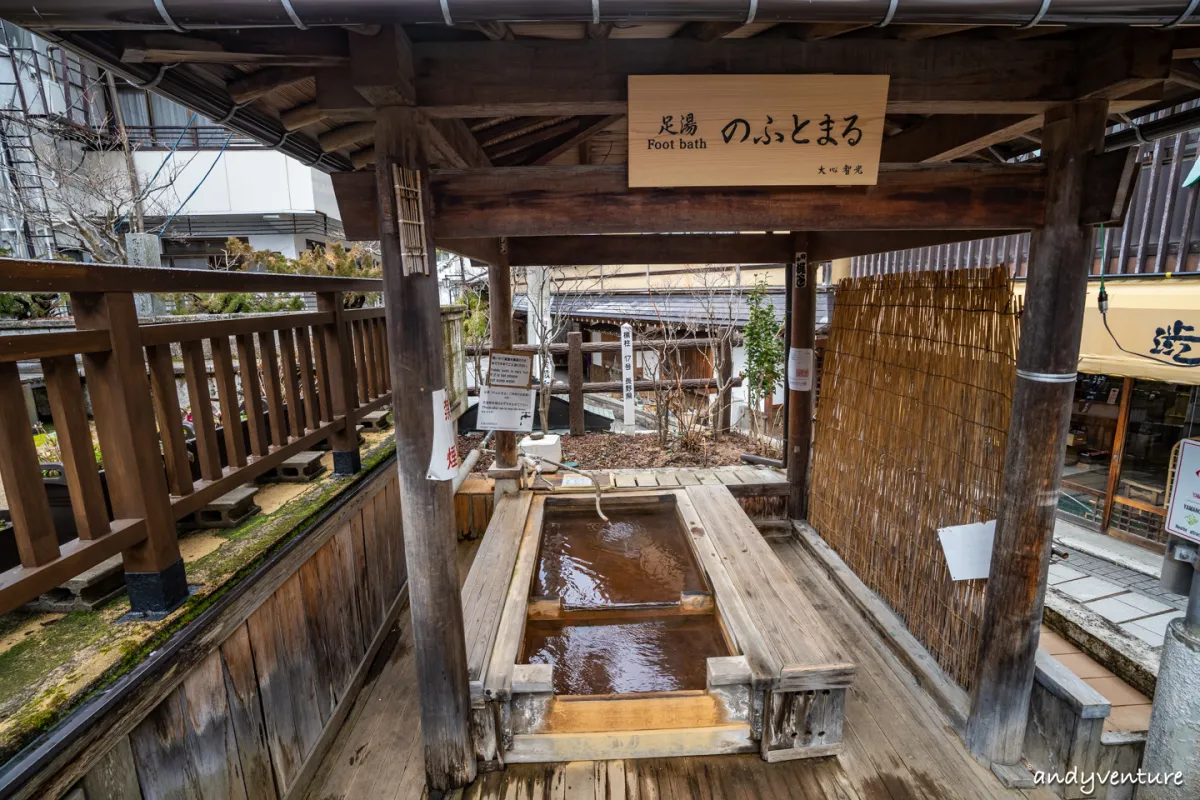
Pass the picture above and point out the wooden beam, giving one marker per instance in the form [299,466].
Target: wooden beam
[346,135]
[302,116]
[261,83]
[829,245]
[455,145]
[427,505]
[713,248]
[382,67]
[589,127]
[707,31]
[538,201]
[814,31]
[500,313]
[133,55]
[914,33]
[1051,326]
[946,137]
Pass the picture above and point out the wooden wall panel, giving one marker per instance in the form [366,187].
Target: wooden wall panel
[245,709]
[244,722]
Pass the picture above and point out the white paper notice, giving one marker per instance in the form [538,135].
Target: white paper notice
[502,409]
[968,549]
[570,481]
[627,385]
[509,369]
[443,461]
[800,369]
[1183,511]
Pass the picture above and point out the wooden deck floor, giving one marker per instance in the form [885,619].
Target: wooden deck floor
[898,745]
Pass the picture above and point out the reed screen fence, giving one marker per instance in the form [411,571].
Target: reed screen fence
[910,437]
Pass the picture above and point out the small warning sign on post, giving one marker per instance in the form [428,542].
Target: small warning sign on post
[513,370]
[505,409]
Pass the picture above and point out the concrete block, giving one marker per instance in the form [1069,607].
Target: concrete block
[227,511]
[300,468]
[376,420]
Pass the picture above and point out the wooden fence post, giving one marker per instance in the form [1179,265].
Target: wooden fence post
[1051,327]
[803,331]
[575,381]
[501,318]
[343,402]
[415,344]
[133,463]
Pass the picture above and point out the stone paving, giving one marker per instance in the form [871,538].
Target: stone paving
[1130,599]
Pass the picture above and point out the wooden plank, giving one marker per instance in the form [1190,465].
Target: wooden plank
[31,346]
[338,361]
[645,479]
[708,477]
[307,675]
[625,481]
[210,741]
[361,367]
[65,393]
[727,477]
[470,79]
[370,362]
[497,681]
[170,418]
[22,478]
[687,478]
[330,663]
[487,584]
[347,568]
[368,604]
[231,418]
[275,693]
[160,751]
[698,248]
[308,383]
[666,478]
[543,201]
[195,373]
[114,777]
[291,386]
[322,374]
[245,712]
[529,748]
[252,396]
[1068,687]
[247,325]
[790,625]
[271,387]
[24,275]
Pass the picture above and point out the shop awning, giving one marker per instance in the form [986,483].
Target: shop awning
[1157,320]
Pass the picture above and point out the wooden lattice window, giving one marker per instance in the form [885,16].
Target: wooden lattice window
[411,220]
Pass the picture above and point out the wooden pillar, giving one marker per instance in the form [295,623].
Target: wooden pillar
[575,380]
[133,464]
[1118,452]
[414,327]
[803,331]
[501,317]
[1056,293]
[343,402]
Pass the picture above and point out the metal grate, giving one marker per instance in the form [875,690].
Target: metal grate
[410,218]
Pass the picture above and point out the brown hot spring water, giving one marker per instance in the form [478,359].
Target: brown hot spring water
[639,562]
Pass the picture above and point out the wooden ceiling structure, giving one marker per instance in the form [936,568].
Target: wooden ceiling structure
[535,110]
[513,134]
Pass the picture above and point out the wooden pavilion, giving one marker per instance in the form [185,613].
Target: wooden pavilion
[444,127]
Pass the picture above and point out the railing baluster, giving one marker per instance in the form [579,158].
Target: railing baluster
[361,373]
[231,418]
[170,419]
[195,372]
[291,387]
[27,503]
[381,355]
[270,376]
[322,374]
[339,360]
[65,393]
[312,404]
[370,365]
[252,395]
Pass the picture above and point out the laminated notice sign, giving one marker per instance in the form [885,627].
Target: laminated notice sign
[800,369]
[514,370]
[504,409]
[443,461]
[1183,509]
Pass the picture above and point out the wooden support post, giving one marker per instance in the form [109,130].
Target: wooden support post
[339,362]
[803,331]
[133,464]
[1060,257]
[575,380]
[501,316]
[1118,452]
[415,346]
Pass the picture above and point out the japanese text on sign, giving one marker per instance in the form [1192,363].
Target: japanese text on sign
[509,369]
[755,130]
[1183,509]
[505,409]
[628,394]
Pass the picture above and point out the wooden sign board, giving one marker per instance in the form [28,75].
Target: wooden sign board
[755,130]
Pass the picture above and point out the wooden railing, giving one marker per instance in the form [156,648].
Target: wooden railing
[316,374]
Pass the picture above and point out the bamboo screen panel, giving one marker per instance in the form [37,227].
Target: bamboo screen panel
[910,436]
